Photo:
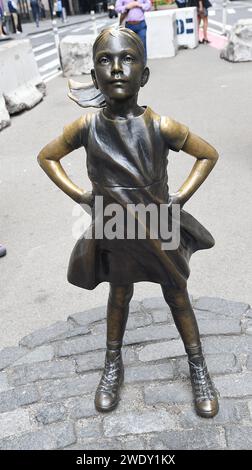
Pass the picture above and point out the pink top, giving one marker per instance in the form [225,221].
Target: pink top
[135,14]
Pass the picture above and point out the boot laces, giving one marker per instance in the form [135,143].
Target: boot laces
[110,376]
[203,386]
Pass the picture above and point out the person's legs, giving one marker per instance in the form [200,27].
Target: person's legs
[107,394]
[140,30]
[205,26]
[206,402]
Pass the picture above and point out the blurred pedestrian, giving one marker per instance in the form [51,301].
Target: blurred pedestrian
[133,13]
[202,9]
[2,251]
[35,11]
[15,17]
[181,3]
[1,20]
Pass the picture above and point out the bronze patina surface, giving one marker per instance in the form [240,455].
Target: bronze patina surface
[127,146]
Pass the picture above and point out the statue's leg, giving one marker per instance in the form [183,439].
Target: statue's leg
[107,394]
[206,401]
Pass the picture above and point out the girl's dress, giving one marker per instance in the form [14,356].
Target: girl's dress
[127,164]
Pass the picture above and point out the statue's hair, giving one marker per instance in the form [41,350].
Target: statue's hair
[120,32]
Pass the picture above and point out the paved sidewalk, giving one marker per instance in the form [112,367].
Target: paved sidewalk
[48,382]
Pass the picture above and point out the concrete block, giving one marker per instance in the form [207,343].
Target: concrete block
[20,81]
[76,54]
[161,37]
[187,27]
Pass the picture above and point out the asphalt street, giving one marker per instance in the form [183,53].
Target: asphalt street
[196,87]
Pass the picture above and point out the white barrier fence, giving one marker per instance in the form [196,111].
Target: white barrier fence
[169,29]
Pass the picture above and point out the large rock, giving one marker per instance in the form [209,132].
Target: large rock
[239,46]
[76,54]
[4,115]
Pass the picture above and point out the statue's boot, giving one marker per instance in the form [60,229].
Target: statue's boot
[205,396]
[107,393]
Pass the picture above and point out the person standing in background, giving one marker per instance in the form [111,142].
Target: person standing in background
[133,13]
[16,22]
[202,11]
[35,11]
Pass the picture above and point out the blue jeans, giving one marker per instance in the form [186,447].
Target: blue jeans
[140,30]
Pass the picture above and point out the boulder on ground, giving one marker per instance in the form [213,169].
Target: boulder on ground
[239,45]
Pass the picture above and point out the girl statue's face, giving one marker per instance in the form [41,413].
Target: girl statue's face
[119,69]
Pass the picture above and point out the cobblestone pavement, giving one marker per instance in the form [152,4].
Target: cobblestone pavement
[47,383]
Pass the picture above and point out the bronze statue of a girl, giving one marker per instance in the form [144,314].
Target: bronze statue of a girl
[127,147]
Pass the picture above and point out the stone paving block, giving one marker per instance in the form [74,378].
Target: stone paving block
[40,354]
[200,438]
[95,360]
[54,390]
[248,327]
[11,399]
[234,385]
[22,375]
[135,306]
[249,362]
[221,306]
[89,316]
[213,324]
[175,392]
[50,413]
[231,411]
[250,407]
[54,436]
[88,428]
[239,437]
[10,355]
[4,385]
[131,399]
[80,345]
[166,349]
[74,331]
[162,315]
[90,361]
[149,372]
[96,444]
[81,407]
[129,443]
[151,333]
[138,320]
[249,313]
[14,422]
[153,303]
[228,344]
[135,423]
[216,363]
[45,335]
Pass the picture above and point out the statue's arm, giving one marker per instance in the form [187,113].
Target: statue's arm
[49,160]
[178,137]
[206,158]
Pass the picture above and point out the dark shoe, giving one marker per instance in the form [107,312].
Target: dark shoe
[205,396]
[205,41]
[2,251]
[201,42]
[107,393]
